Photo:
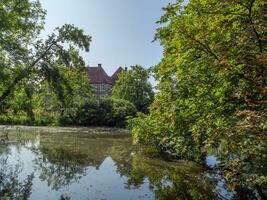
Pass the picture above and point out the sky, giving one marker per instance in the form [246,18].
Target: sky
[122,30]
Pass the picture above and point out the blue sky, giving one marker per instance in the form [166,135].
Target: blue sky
[122,30]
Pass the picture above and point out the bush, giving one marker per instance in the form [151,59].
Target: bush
[94,112]
[100,112]
[23,119]
[121,110]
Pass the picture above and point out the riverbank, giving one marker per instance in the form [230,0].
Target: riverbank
[71,129]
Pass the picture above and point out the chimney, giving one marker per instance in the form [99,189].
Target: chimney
[99,65]
[125,68]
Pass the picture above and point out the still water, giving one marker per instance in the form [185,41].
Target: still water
[66,165]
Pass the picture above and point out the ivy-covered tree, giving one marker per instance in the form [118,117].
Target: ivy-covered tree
[133,86]
[212,87]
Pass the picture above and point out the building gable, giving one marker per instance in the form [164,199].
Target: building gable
[102,81]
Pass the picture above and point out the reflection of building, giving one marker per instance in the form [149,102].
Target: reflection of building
[103,82]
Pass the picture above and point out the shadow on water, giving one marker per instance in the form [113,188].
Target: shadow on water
[83,166]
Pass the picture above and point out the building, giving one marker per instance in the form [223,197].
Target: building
[102,82]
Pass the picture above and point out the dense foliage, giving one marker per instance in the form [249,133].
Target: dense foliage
[38,76]
[101,112]
[212,87]
[133,86]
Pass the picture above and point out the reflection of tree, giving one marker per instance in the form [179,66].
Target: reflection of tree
[59,166]
[121,153]
[63,159]
[10,185]
[59,175]
[167,180]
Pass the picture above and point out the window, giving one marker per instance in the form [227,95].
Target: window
[103,87]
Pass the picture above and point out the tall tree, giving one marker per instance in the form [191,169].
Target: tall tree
[27,62]
[133,86]
[212,87]
[21,22]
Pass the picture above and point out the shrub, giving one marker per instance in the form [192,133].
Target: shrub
[100,112]
[121,110]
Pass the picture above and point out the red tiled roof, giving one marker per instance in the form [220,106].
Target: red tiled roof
[97,75]
[115,77]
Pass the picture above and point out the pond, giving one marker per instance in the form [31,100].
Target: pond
[95,165]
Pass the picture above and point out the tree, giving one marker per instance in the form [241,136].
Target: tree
[30,65]
[133,86]
[212,88]
[21,22]
[48,56]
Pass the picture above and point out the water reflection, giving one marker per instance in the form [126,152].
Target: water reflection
[11,187]
[82,166]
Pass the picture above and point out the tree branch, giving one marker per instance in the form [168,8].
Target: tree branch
[20,76]
[205,47]
[253,25]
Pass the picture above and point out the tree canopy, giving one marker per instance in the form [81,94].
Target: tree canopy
[212,87]
[133,86]
[31,67]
